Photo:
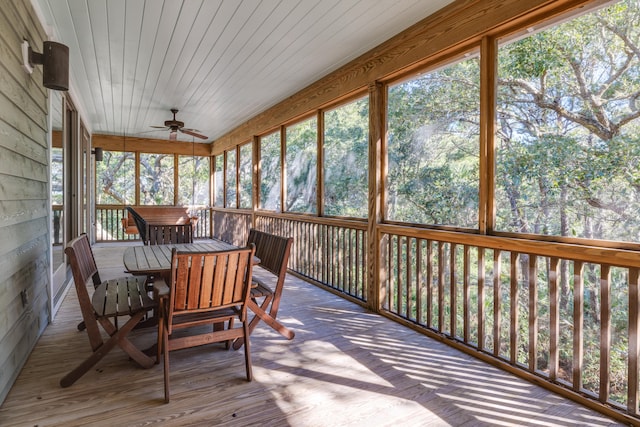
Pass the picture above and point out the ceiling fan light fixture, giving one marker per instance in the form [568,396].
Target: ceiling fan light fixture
[174,126]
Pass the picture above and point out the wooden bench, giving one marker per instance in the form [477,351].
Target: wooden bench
[158,215]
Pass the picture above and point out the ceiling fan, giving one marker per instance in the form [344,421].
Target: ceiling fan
[173,126]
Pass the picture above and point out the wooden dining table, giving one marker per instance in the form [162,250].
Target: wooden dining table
[156,259]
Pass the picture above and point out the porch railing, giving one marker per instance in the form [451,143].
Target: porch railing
[109,225]
[565,313]
[329,251]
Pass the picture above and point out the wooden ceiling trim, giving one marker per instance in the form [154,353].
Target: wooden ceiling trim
[464,21]
[146,145]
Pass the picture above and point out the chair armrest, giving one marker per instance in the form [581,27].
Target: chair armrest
[160,287]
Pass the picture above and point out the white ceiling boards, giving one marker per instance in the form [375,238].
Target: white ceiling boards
[219,62]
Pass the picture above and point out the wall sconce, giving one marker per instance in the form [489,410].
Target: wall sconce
[55,63]
[98,153]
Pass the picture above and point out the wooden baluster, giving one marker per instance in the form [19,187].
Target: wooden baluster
[466,294]
[419,280]
[453,300]
[533,312]
[554,318]
[429,283]
[441,264]
[497,320]
[409,260]
[605,330]
[578,318]
[634,342]
[481,272]
[515,296]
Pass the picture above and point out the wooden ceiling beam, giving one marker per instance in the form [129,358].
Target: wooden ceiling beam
[147,145]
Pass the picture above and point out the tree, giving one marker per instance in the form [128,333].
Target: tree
[433,154]
[567,128]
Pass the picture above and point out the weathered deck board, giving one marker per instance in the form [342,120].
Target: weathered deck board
[345,367]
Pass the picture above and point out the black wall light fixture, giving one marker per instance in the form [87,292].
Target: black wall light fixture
[55,63]
[98,153]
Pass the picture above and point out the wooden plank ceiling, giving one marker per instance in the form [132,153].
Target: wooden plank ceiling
[219,62]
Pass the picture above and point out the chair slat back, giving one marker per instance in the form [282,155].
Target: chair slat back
[83,263]
[141,224]
[272,250]
[207,281]
[162,234]
[83,267]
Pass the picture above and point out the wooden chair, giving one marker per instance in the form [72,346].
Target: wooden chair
[206,288]
[268,281]
[162,234]
[117,297]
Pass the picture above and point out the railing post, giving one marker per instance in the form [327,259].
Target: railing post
[376,201]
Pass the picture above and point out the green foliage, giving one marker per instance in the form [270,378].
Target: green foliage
[301,160]
[270,172]
[115,179]
[193,180]
[346,159]
[231,201]
[246,176]
[156,179]
[568,128]
[534,56]
[219,181]
[433,152]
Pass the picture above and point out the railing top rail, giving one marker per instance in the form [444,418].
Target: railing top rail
[600,255]
[297,217]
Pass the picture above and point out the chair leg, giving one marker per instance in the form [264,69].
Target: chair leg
[229,342]
[260,314]
[247,350]
[134,352]
[165,346]
[117,337]
[160,346]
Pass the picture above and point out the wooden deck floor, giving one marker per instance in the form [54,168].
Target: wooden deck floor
[345,367]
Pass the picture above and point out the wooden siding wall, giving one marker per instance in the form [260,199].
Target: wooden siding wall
[24,193]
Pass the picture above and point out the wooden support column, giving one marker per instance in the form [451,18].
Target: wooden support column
[255,179]
[320,164]
[176,180]
[212,199]
[488,69]
[283,169]
[237,166]
[224,180]
[377,172]
[136,157]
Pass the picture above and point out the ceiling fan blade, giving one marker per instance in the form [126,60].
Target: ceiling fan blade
[192,133]
[159,127]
